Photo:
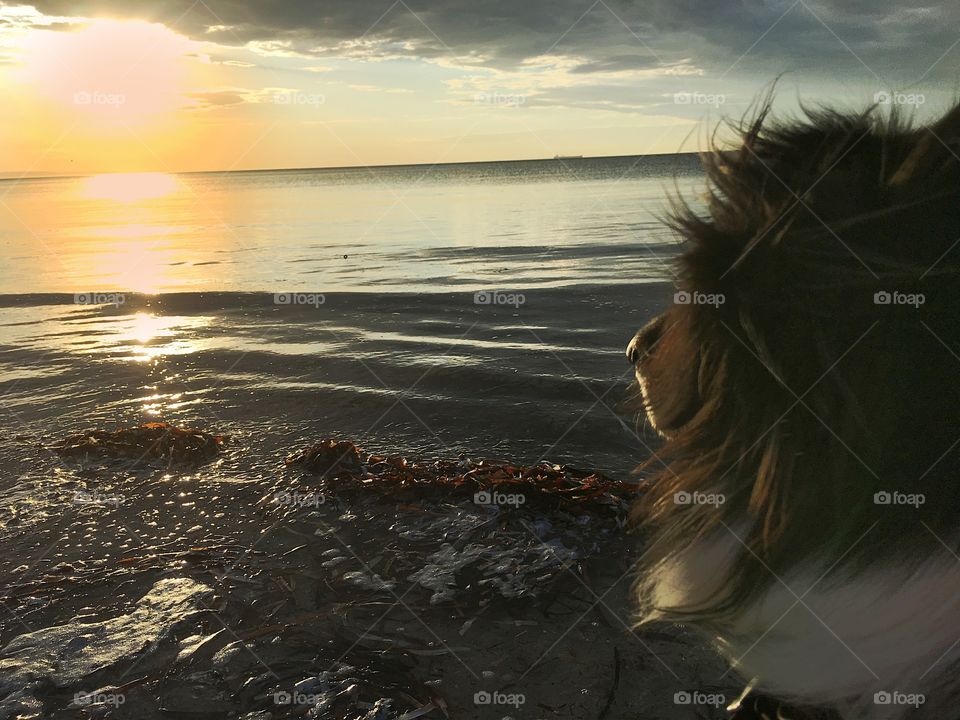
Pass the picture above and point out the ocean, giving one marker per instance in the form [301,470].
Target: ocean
[476,310]
[543,223]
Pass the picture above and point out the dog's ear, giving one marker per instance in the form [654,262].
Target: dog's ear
[937,149]
[668,368]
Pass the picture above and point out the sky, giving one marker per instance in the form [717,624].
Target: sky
[92,86]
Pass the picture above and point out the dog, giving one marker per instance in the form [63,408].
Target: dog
[803,511]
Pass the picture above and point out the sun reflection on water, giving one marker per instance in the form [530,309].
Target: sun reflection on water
[129,187]
[149,337]
[147,327]
[147,340]
[127,233]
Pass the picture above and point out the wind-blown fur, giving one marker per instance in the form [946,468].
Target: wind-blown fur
[806,397]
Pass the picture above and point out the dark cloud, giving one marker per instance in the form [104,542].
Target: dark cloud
[895,40]
[630,61]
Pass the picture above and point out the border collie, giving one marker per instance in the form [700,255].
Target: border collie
[804,510]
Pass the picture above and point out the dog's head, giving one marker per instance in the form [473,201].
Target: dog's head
[811,357]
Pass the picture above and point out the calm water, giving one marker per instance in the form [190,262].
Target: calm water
[415,228]
[398,357]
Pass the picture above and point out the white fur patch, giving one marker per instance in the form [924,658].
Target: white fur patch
[837,641]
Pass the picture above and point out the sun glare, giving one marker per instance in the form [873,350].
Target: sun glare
[129,187]
[110,72]
[149,337]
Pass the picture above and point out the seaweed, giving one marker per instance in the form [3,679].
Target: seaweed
[343,465]
[329,457]
[155,440]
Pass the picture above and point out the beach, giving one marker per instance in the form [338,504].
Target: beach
[263,571]
[314,384]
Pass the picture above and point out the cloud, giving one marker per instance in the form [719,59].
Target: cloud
[627,61]
[26,17]
[225,97]
[362,87]
[890,42]
[210,99]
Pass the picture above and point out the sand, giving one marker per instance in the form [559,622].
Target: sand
[383,596]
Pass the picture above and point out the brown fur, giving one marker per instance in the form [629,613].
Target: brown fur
[799,398]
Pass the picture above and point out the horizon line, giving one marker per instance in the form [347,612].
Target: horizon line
[60,175]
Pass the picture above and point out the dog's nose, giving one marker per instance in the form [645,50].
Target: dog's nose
[643,342]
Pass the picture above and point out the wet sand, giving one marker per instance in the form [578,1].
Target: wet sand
[426,376]
[346,598]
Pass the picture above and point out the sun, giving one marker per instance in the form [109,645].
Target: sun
[110,73]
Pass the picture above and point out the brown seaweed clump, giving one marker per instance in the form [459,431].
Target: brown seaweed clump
[155,440]
[487,481]
[330,458]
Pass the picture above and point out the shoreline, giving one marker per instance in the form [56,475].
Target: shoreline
[487,379]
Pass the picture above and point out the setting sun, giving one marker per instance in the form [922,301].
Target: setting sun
[110,72]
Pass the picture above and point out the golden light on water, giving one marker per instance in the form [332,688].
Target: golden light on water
[145,232]
[129,187]
[147,327]
[125,214]
[149,337]
[140,266]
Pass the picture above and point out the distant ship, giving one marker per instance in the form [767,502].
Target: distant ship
[568,157]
